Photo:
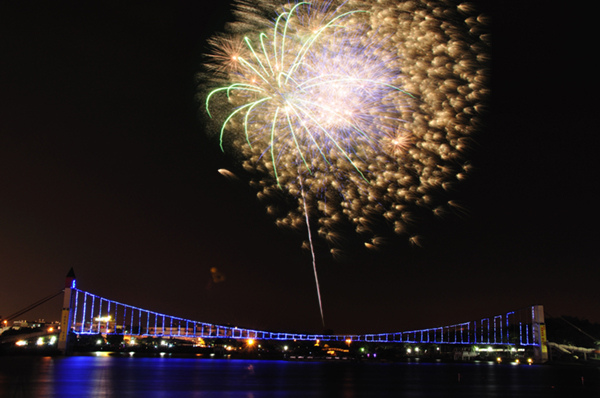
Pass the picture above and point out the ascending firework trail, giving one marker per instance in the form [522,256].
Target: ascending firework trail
[357,110]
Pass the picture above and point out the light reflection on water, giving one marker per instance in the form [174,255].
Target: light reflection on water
[131,376]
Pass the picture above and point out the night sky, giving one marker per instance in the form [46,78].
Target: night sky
[105,166]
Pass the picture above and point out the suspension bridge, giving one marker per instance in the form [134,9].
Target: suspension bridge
[85,313]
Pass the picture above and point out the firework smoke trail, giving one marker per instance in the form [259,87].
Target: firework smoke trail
[312,253]
[359,111]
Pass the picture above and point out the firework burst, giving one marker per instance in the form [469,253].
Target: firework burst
[357,110]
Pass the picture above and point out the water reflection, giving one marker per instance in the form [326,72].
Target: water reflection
[131,376]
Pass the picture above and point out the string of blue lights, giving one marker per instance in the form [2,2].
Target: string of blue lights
[109,317]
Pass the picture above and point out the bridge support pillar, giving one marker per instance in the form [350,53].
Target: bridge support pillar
[540,350]
[66,318]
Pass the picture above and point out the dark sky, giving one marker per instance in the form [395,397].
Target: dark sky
[105,167]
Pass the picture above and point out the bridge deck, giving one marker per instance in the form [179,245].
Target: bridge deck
[92,314]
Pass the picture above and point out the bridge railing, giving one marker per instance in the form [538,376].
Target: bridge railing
[93,314]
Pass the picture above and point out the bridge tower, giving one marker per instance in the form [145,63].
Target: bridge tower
[540,350]
[65,319]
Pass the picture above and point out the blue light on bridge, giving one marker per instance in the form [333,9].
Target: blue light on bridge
[111,317]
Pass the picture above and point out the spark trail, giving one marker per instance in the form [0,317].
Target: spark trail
[357,110]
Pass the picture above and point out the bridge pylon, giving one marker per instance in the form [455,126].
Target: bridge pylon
[540,349]
[66,318]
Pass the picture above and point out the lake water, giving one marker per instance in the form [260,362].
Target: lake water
[123,376]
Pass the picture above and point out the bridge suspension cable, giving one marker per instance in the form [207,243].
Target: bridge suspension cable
[31,306]
[93,314]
